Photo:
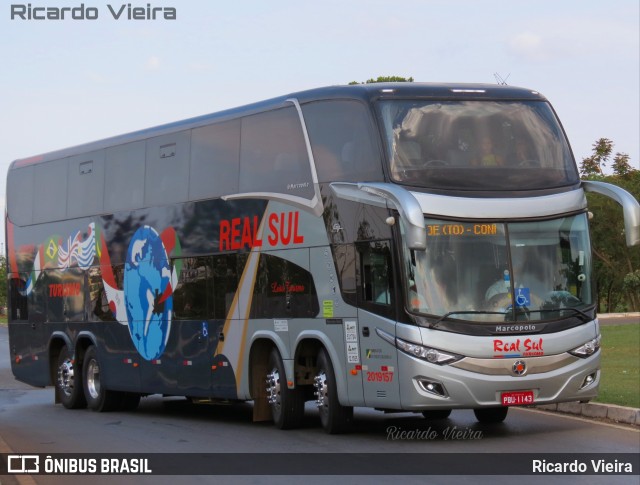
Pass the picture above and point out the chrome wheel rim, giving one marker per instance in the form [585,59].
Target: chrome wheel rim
[66,377]
[93,379]
[321,393]
[274,397]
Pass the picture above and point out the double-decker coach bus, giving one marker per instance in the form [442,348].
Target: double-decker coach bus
[406,246]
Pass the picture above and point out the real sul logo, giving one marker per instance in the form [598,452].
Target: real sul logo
[125,11]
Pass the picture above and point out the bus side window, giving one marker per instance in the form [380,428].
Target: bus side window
[375,277]
[50,191]
[226,268]
[190,297]
[342,137]
[215,160]
[99,303]
[273,154]
[19,303]
[283,289]
[345,260]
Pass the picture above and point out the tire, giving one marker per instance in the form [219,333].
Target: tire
[436,414]
[98,398]
[69,381]
[491,415]
[287,405]
[335,417]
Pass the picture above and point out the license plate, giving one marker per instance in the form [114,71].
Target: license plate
[517,398]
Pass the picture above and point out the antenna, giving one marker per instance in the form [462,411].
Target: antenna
[502,81]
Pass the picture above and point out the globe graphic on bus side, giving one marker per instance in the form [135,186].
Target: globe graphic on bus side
[147,275]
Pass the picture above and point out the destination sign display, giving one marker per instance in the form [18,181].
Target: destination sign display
[460,229]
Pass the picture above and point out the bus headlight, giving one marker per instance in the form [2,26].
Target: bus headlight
[588,349]
[429,354]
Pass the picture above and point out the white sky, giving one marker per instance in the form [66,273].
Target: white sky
[63,83]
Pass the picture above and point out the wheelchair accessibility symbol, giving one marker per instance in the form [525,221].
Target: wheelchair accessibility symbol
[523,297]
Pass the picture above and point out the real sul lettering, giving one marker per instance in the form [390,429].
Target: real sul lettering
[242,232]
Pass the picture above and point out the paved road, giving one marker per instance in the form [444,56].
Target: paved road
[31,423]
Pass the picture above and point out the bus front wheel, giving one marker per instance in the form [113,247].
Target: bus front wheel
[491,415]
[69,381]
[98,398]
[335,417]
[287,405]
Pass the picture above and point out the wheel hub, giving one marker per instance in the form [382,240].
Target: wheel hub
[93,379]
[66,376]
[320,383]
[273,388]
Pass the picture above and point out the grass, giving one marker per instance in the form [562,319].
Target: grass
[620,365]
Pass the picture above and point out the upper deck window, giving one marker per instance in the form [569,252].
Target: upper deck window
[343,141]
[273,154]
[476,145]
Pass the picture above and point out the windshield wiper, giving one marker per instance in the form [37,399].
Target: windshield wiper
[585,317]
[463,312]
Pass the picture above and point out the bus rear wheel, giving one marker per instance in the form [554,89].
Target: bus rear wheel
[287,405]
[98,398]
[69,381]
[491,415]
[335,418]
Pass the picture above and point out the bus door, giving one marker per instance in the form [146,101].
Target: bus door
[335,283]
[376,312]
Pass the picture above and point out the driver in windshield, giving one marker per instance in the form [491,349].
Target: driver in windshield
[487,156]
[499,287]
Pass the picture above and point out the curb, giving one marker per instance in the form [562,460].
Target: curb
[618,315]
[611,412]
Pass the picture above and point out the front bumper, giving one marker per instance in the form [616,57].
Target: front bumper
[552,379]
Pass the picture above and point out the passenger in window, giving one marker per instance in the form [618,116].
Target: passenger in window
[487,156]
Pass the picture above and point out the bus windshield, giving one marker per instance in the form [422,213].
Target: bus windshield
[476,145]
[493,272]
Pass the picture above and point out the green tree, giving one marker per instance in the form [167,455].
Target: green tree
[616,266]
[386,79]
[621,165]
[594,165]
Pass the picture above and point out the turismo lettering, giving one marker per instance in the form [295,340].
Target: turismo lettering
[528,347]
[242,232]
[60,290]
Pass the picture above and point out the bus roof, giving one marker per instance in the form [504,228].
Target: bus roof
[363,92]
